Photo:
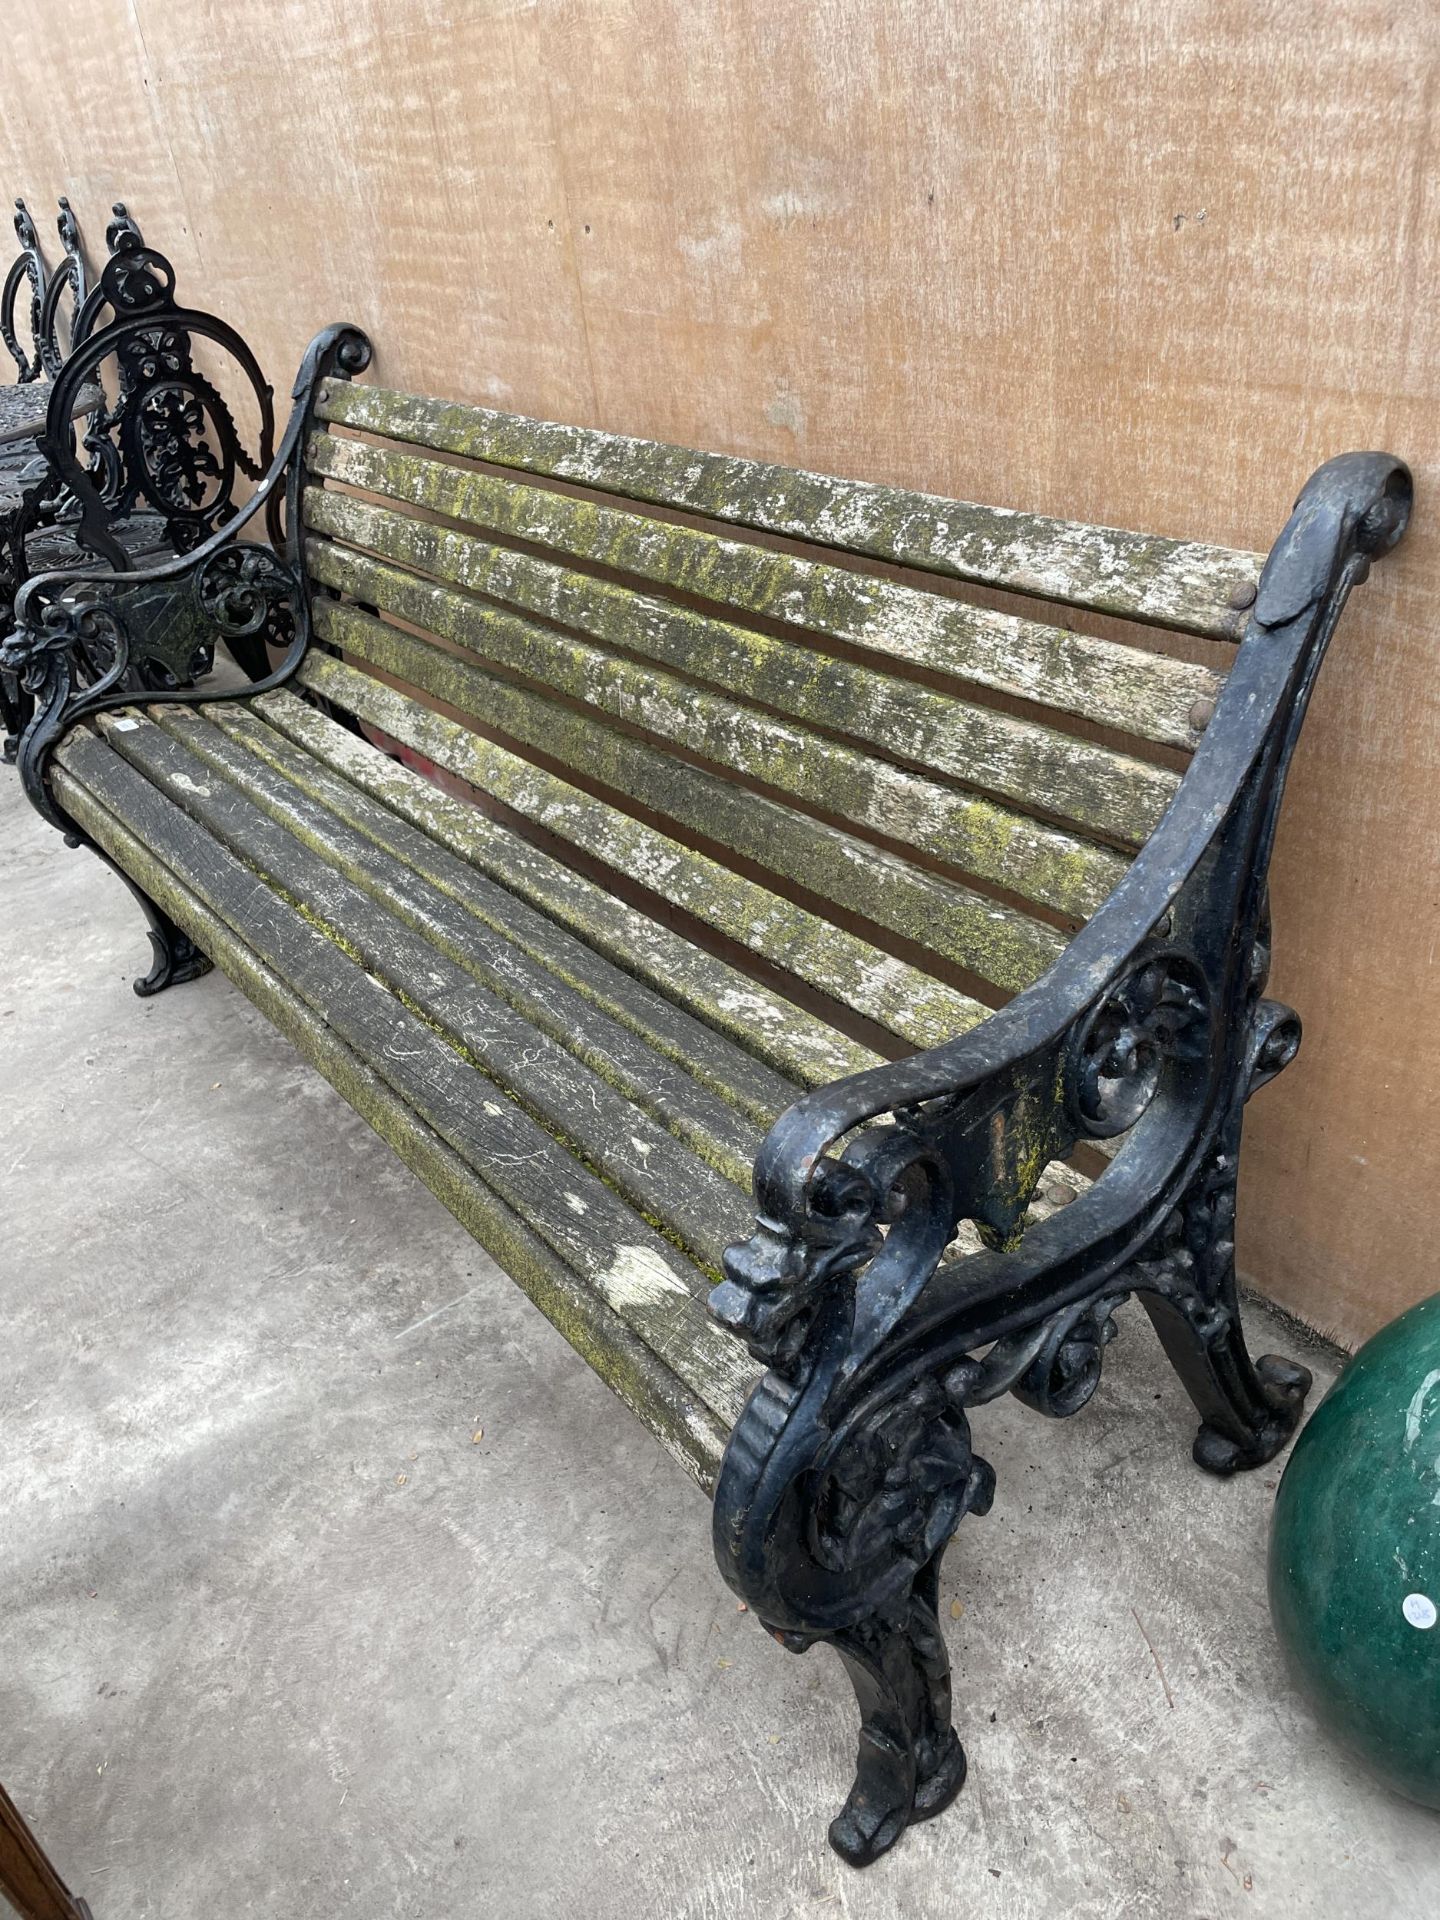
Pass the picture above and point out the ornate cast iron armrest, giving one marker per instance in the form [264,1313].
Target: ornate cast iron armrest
[851,1464]
[1158,975]
[81,637]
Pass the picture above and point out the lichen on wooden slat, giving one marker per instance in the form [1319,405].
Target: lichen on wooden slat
[662,1177]
[790,1038]
[709,1056]
[1049,865]
[692,1426]
[1173,583]
[1076,780]
[887,990]
[1127,687]
[658,1085]
[636,1272]
[998,942]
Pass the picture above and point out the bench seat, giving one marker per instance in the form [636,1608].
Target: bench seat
[813,935]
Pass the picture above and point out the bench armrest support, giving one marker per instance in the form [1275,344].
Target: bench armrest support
[851,1464]
[81,638]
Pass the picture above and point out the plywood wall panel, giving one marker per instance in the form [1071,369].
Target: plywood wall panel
[1139,264]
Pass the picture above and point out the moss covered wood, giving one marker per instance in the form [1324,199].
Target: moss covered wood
[1173,583]
[1093,786]
[774,1029]
[1000,943]
[668,1092]
[1040,863]
[687,1424]
[638,1273]
[1123,686]
[662,1177]
[715,1061]
[858,974]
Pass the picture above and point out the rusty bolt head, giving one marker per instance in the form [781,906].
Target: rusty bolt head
[1201,714]
[1242,595]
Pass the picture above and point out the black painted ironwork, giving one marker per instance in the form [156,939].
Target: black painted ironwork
[84,640]
[852,1463]
[68,284]
[170,442]
[25,280]
[165,454]
[121,229]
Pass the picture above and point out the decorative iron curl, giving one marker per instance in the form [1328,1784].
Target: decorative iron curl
[69,277]
[1155,1012]
[239,587]
[886,1205]
[169,440]
[27,269]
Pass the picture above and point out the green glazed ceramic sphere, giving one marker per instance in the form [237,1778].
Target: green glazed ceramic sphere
[1355,1556]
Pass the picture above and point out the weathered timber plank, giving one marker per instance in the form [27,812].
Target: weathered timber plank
[687,1425]
[1076,780]
[793,1040]
[1122,686]
[715,1061]
[1038,862]
[658,1085]
[1171,583]
[663,1178]
[853,971]
[999,943]
[647,1281]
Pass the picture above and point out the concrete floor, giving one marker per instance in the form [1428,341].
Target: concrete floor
[332,1583]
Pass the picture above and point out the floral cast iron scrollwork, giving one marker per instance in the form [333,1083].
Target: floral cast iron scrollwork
[168,441]
[852,1461]
[1154,1013]
[844,1541]
[85,641]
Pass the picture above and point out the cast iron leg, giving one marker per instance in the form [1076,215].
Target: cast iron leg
[910,1764]
[177,958]
[1248,1408]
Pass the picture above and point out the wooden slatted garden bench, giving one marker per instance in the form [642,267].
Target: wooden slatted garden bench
[622,828]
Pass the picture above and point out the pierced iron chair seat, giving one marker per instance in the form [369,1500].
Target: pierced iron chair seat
[628,828]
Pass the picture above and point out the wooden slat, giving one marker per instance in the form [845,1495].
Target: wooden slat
[655,1172]
[790,1038]
[1127,687]
[646,1281]
[852,971]
[1171,583]
[1076,780]
[997,942]
[465,919]
[692,1428]
[740,1079]
[1045,864]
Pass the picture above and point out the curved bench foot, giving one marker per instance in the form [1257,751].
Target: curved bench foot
[910,1764]
[1283,1385]
[177,959]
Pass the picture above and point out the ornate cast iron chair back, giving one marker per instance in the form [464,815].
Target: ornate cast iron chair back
[26,270]
[69,278]
[121,231]
[168,442]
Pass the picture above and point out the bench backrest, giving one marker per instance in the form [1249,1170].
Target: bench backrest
[709,675]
